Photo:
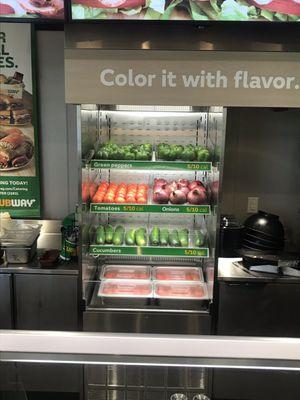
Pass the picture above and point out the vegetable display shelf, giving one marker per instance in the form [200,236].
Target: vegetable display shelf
[96,250]
[203,166]
[150,208]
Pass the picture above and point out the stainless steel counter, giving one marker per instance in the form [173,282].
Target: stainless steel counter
[45,241]
[229,269]
[34,268]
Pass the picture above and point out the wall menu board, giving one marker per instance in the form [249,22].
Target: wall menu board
[19,172]
[197,10]
[33,9]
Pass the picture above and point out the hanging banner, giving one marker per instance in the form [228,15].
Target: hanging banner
[19,171]
[188,10]
[196,78]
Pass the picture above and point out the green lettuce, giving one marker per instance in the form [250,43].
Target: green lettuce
[83,12]
[152,14]
[196,12]
[232,10]
[170,9]
[131,11]
[157,5]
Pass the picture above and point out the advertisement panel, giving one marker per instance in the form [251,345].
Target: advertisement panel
[32,9]
[182,10]
[19,172]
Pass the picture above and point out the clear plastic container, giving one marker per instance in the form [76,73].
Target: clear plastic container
[121,292]
[19,240]
[133,272]
[190,274]
[180,290]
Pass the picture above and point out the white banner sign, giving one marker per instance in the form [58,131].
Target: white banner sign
[183,78]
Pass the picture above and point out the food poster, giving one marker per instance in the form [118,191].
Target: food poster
[184,10]
[19,172]
[32,9]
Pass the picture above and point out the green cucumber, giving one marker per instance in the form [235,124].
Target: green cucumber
[199,239]
[130,237]
[174,238]
[164,236]
[100,235]
[141,237]
[155,236]
[118,238]
[183,235]
[109,234]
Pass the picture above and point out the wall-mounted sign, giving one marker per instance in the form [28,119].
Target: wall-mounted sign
[183,78]
[197,10]
[19,172]
[32,9]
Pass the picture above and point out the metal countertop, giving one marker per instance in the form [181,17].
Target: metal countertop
[45,241]
[34,268]
[229,271]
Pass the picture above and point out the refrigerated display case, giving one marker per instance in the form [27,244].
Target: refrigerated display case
[149,190]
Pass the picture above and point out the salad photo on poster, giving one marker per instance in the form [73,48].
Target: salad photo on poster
[197,10]
[45,9]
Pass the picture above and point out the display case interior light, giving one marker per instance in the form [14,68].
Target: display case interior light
[153,111]
[154,108]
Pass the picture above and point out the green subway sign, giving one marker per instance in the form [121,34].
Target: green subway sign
[152,208]
[96,250]
[152,165]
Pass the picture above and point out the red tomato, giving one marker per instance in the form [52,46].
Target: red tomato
[143,186]
[130,200]
[110,3]
[6,9]
[120,200]
[280,6]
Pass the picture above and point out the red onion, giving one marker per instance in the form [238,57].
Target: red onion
[172,186]
[159,182]
[196,196]
[183,183]
[177,197]
[214,190]
[160,196]
[185,190]
[162,187]
[195,184]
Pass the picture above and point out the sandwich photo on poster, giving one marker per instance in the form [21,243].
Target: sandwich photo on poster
[19,175]
[180,10]
[16,129]
[44,9]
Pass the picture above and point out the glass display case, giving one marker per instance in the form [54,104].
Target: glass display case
[149,190]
